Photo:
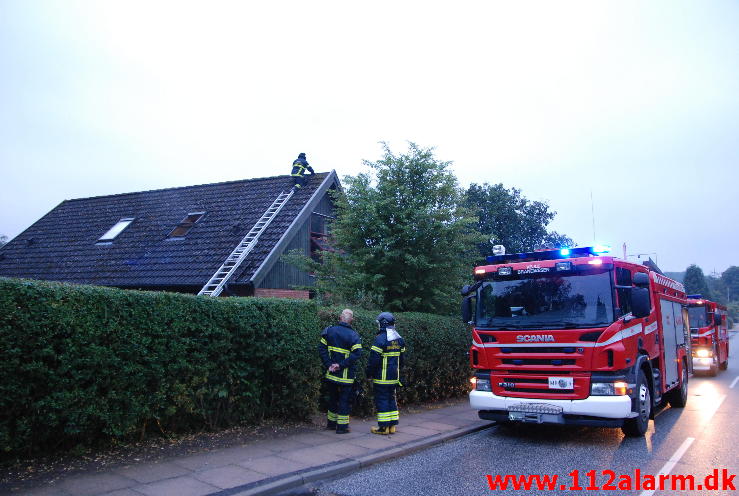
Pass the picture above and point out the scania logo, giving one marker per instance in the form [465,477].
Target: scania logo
[534,338]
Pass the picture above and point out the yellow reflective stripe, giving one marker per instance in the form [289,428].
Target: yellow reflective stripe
[339,379]
[375,348]
[339,350]
[402,350]
[391,354]
[346,374]
[331,416]
[384,368]
[356,346]
[342,419]
[382,381]
[387,414]
[323,341]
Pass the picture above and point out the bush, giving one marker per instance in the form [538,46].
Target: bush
[83,364]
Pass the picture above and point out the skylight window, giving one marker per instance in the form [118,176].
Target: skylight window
[114,231]
[184,227]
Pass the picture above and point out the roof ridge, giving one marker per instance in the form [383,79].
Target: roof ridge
[186,187]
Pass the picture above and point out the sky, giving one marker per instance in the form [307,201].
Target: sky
[633,104]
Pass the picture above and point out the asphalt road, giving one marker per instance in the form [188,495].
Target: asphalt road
[694,440]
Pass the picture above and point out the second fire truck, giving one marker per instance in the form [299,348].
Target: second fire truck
[574,336]
[709,335]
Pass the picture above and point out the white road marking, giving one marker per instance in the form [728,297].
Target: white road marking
[714,408]
[733,383]
[671,462]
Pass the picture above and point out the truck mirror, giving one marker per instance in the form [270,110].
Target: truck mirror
[717,318]
[640,306]
[641,279]
[467,310]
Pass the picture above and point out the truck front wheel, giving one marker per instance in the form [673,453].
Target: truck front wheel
[637,426]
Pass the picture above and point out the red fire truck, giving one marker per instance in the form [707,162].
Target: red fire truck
[574,336]
[709,335]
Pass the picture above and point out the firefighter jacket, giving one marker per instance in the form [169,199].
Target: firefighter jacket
[340,344]
[386,357]
[299,167]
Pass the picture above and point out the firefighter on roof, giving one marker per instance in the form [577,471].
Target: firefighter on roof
[300,165]
[340,348]
[385,362]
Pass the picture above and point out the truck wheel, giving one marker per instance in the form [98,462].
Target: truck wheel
[637,426]
[713,371]
[724,365]
[678,397]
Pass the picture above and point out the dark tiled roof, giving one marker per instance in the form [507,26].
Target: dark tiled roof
[61,246]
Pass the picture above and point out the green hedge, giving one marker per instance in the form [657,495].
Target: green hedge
[81,365]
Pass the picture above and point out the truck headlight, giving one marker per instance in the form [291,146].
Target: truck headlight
[483,385]
[703,353]
[618,388]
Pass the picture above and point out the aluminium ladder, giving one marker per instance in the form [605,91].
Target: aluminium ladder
[215,285]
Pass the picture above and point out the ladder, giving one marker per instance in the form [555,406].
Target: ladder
[215,285]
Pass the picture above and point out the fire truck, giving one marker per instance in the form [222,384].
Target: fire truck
[575,336]
[709,335]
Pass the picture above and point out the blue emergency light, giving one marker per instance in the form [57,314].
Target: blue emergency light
[582,251]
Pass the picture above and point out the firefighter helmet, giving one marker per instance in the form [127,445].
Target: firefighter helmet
[385,319]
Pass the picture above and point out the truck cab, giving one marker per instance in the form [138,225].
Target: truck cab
[709,335]
[575,336]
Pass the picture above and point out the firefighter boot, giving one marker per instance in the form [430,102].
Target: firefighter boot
[380,430]
[331,425]
[392,429]
[343,429]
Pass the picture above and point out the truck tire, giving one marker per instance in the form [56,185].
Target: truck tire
[678,397]
[724,365]
[637,426]
[713,371]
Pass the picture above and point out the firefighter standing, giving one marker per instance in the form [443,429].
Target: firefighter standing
[300,165]
[340,348]
[386,359]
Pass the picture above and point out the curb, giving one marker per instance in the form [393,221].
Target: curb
[292,480]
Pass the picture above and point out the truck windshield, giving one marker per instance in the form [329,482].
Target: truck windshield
[546,302]
[697,317]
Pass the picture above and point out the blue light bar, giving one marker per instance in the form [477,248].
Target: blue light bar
[582,251]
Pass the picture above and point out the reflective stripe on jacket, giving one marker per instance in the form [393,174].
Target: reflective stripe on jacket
[386,359]
[299,167]
[340,344]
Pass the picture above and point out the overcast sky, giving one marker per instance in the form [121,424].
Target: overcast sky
[636,102]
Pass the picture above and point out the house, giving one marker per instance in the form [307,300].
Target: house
[176,239]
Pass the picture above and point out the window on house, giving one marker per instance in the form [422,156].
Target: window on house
[114,231]
[184,227]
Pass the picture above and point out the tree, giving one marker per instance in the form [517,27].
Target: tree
[730,278]
[404,241]
[3,239]
[510,219]
[695,282]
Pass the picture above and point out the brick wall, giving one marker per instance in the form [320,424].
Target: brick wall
[281,293]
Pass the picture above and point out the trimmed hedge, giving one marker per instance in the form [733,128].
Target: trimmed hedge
[83,365]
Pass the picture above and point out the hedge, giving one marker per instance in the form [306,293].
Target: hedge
[85,365]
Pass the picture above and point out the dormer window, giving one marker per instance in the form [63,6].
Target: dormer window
[184,227]
[114,231]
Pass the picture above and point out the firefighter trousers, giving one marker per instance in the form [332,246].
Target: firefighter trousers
[339,404]
[386,405]
[299,180]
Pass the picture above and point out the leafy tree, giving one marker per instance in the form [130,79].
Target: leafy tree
[695,282]
[404,241]
[730,278]
[510,219]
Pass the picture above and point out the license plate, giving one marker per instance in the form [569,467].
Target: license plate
[561,383]
[534,418]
